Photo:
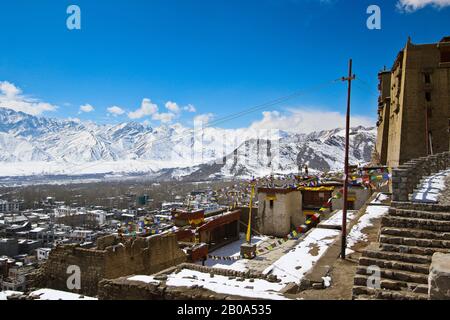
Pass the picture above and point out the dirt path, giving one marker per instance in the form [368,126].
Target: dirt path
[342,272]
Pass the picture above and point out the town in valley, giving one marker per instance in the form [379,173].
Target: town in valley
[104,201]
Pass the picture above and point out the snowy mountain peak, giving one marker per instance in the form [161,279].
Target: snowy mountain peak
[33,145]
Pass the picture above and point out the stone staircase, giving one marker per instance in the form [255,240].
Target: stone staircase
[410,234]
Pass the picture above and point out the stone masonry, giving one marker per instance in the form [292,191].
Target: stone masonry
[411,233]
[406,177]
[439,278]
[414,104]
[124,289]
[110,259]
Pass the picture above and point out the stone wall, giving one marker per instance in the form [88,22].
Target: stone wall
[111,259]
[407,176]
[439,277]
[414,105]
[124,289]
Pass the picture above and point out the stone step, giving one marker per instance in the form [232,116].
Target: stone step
[411,249]
[398,275]
[415,223]
[361,280]
[435,215]
[397,265]
[415,242]
[420,206]
[415,233]
[386,294]
[373,251]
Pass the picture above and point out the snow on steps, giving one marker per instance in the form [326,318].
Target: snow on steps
[410,234]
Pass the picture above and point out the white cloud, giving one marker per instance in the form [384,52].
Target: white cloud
[148,108]
[190,108]
[116,111]
[203,119]
[163,117]
[413,5]
[11,97]
[9,90]
[86,108]
[172,106]
[307,120]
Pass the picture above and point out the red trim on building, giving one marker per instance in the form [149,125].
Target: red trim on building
[220,220]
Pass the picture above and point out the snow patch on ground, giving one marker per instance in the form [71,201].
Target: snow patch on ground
[145,279]
[380,198]
[430,188]
[5,294]
[296,263]
[336,219]
[233,250]
[357,235]
[50,294]
[259,288]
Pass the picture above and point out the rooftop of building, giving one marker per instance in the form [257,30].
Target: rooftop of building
[276,189]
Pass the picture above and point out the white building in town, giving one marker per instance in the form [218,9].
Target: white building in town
[10,206]
[42,253]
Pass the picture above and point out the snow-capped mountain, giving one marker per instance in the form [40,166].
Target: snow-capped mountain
[38,145]
[321,151]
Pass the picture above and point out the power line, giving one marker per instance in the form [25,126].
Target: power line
[236,115]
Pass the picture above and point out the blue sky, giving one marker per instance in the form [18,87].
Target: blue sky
[214,57]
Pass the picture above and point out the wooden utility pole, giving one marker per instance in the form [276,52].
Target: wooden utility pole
[349,79]
[250,207]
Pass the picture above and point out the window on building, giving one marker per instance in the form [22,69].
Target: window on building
[428,96]
[271,204]
[427,78]
[445,56]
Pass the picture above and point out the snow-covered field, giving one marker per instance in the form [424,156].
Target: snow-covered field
[233,250]
[296,263]
[28,168]
[259,288]
[431,187]
[48,294]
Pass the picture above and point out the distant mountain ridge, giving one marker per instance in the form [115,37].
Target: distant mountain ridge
[40,145]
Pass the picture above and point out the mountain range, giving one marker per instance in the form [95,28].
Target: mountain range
[45,146]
